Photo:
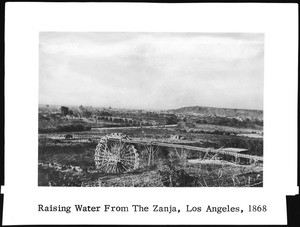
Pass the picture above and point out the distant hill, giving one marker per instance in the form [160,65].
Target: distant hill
[219,111]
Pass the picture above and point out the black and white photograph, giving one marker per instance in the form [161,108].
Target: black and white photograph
[150,109]
[150,113]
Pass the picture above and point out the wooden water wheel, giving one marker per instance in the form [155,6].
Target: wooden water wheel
[113,155]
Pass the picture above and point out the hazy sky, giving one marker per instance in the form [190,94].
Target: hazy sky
[151,70]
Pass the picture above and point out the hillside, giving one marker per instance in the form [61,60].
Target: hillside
[219,111]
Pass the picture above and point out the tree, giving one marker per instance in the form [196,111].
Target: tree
[81,108]
[105,113]
[171,119]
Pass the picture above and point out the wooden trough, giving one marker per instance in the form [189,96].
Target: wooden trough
[117,152]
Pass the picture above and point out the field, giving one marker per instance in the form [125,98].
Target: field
[67,158]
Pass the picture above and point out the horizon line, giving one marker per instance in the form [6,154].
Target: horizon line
[130,108]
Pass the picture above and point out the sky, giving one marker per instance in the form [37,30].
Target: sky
[151,70]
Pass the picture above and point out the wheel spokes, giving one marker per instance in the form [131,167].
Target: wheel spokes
[114,156]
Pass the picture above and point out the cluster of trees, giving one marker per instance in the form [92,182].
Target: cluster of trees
[66,128]
[149,115]
[230,121]
[171,119]
[84,112]
[163,119]
[73,128]
[117,120]
[215,132]
[104,114]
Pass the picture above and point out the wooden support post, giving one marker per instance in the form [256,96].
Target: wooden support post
[149,156]
[151,153]
[149,159]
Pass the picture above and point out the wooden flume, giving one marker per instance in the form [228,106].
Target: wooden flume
[116,153]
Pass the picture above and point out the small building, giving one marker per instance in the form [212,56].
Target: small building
[177,137]
[68,136]
[64,110]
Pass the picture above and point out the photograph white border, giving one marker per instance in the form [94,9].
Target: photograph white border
[24,21]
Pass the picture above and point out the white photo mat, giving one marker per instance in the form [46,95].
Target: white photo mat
[24,21]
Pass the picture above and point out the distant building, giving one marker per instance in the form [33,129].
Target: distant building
[68,136]
[64,110]
[177,137]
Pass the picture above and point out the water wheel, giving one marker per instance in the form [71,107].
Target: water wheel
[113,155]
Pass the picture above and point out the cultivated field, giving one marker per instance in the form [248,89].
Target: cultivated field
[67,158]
